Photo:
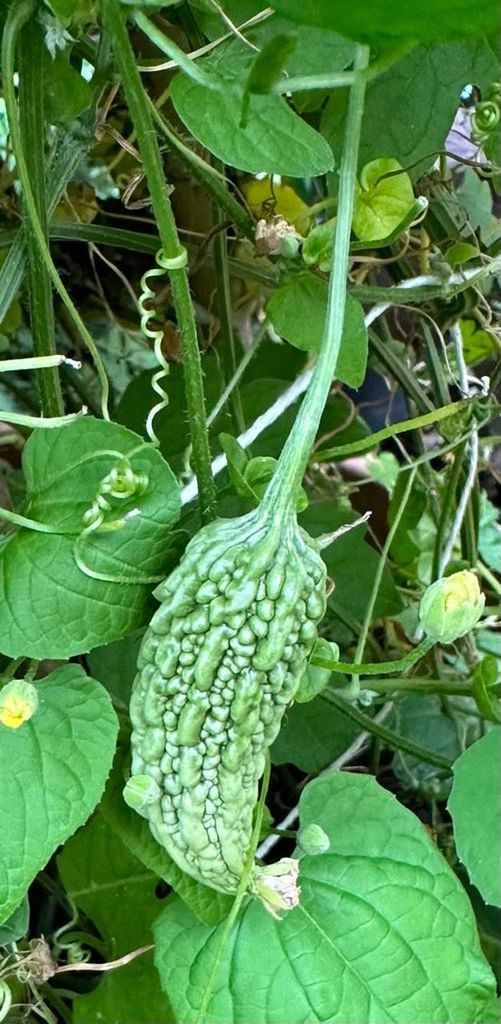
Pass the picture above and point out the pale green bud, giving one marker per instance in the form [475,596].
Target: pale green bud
[289,246]
[451,607]
[312,840]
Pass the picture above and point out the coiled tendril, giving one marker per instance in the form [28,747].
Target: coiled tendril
[121,484]
[486,115]
[156,335]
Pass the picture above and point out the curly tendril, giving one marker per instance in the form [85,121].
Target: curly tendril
[64,939]
[486,115]
[119,487]
[122,483]
[5,999]
[164,264]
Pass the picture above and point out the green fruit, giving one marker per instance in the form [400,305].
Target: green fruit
[221,661]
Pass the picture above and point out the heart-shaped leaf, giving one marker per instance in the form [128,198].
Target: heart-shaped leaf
[384,200]
[53,770]
[476,813]
[384,932]
[275,139]
[56,609]
[297,310]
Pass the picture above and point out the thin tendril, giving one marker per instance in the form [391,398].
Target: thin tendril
[156,335]
[5,999]
[122,484]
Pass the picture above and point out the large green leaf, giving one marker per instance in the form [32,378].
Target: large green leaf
[275,139]
[384,932]
[297,310]
[476,813]
[376,21]
[410,108]
[53,770]
[119,895]
[50,607]
[313,735]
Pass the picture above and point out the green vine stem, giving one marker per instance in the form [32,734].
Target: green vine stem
[280,497]
[31,116]
[447,503]
[390,738]
[139,108]
[208,177]
[380,668]
[224,310]
[367,443]
[36,363]
[19,14]
[172,50]
[19,419]
[440,687]
[70,146]
[378,576]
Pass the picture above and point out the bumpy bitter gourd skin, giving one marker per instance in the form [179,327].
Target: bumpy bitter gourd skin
[221,660]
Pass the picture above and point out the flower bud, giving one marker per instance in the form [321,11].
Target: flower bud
[18,702]
[289,246]
[451,607]
[312,840]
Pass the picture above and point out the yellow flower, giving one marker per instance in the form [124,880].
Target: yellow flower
[267,199]
[18,702]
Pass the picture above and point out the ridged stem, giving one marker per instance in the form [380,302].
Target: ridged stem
[280,498]
[140,113]
[31,93]
[19,13]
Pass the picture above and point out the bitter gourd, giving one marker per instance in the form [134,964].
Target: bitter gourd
[225,652]
[221,660]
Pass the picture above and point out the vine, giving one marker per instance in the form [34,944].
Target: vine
[305,713]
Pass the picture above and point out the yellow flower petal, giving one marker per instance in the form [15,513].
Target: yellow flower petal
[18,702]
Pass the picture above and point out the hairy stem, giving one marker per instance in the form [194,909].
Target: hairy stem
[140,113]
